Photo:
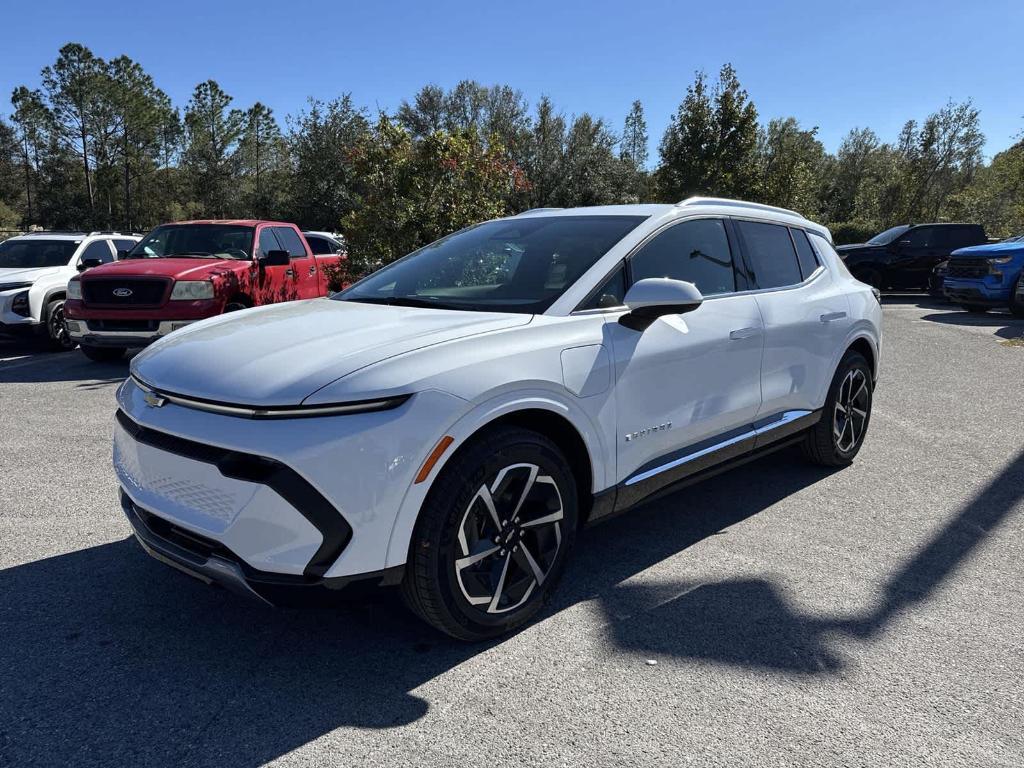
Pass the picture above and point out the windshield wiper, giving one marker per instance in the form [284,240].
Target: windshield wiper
[189,255]
[404,301]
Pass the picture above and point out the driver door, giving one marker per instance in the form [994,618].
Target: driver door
[272,283]
[688,383]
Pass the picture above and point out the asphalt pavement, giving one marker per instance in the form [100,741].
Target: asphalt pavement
[778,614]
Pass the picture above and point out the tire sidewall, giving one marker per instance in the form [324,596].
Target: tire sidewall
[451,496]
[851,361]
[57,305]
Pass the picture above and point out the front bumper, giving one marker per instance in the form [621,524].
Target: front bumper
[213,563]
[97,333]
[11,322]
[976,293]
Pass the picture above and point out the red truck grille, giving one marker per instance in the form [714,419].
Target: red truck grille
[125,292]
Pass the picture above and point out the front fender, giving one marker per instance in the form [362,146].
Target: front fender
[587,417]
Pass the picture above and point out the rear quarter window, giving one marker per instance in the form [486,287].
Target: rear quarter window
[771,254]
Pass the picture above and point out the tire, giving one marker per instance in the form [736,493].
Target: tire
[836,439]
[103,354]
[1016,305]
[235,305]
[56,329]
[496,592]
[975,309]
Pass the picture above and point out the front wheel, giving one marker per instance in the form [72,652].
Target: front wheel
[838,436]
[1017,298]
[57,327]
[493,535]
[103,354]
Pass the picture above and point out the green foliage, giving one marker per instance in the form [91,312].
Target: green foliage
[791,168]
[212,132]
[845,232]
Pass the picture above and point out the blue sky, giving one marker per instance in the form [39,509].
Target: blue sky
[834,65]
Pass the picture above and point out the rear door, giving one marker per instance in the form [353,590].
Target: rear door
[805,312]
[304,283]
[916,253]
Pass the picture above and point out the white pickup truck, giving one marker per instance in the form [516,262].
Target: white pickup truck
[34,273]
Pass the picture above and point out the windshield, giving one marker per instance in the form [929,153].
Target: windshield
[515,265]
[201,241]
[26,254]
[884,238]
[1014,239]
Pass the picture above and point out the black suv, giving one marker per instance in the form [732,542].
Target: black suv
[903,257]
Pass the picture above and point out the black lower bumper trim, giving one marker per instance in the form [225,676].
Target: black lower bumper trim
[284,480]
[214,563]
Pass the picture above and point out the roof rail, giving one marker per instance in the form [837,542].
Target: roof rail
[48,232]
[536,210]
[737,204]
[103,232]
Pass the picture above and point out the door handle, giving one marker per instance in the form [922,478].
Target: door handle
[312,270]
[828,317]
[744,333]
[289,273]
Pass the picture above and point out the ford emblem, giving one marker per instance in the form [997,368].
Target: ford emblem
[122,293]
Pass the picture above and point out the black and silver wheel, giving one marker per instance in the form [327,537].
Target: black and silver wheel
[103,354]
[838,436]
[493,535]
[57,327]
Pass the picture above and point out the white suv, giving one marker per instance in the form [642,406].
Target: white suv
[34,273]
[449,422]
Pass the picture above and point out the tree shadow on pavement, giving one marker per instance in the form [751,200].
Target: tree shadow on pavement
[109,657]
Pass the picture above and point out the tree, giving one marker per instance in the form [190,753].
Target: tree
[212,131]
[31,120]
[263,161]
[710,145]
[415,191]
[545,152]
[851,170]
[590,172]
[322,142]
[791,163]
[633,146]
[72,88]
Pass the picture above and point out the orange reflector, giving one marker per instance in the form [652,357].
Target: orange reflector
[439,449]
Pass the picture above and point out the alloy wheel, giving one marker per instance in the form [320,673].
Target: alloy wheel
[58,328]
[851,410]
[509,539]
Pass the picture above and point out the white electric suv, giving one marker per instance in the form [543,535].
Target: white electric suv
[34,273]
[449,422]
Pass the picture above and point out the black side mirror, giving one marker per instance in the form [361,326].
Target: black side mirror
[275,259]
[85,264]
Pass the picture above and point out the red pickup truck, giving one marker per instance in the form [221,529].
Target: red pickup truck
[183,272]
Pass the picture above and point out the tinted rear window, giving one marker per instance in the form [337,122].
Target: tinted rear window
[804,253]
[771,255]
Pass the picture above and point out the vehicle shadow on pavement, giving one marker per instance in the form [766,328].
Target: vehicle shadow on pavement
[749,623]
[1006,325]
[43,366]
[109,657]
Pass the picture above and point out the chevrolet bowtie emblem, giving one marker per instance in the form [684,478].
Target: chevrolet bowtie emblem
[153,400]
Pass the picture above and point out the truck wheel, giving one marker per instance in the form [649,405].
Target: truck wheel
[976,309]
[103,354]
[838,436]
[56,328]
[1016,300]
[493,535]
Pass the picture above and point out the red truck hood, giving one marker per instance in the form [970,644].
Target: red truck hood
[180,269]
[282,353]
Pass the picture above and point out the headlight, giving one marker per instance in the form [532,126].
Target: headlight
[1001,260]
[192,290]
[75,289]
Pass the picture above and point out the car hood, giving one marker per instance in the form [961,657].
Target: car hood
[283,353]
[844,250]
[983,251]
[23,275]
[182,269]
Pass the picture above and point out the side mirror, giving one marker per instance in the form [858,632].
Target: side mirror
[657,296]
[275,259]
[85,264]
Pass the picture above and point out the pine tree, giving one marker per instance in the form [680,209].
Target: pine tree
[212,131]
[633,146]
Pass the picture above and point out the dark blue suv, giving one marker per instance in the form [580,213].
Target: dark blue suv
[984,277]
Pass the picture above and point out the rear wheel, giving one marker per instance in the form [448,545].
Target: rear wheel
[56,327]
[493,535]
[838,436]
[1016,299]
[103,354]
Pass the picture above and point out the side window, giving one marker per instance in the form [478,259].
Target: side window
[268,242]
[696,251]
[318,245]
[771,255]
[98,249]
[918,237]
[610,293]
[804,253]
[290,241]
[123,245]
